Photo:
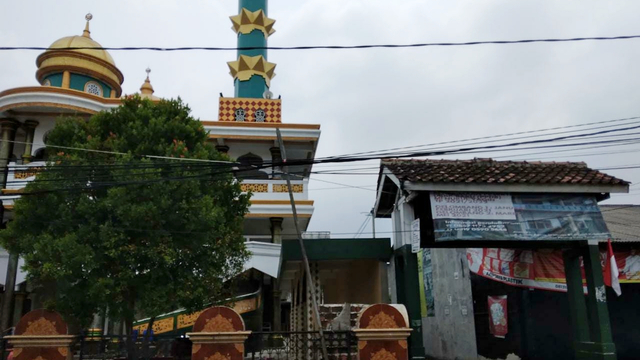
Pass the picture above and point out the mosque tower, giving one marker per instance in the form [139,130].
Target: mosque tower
[246,131]
[252,73]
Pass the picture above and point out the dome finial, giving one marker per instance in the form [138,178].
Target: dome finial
[86,32]
[146,91]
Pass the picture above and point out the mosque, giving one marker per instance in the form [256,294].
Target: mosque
[77,77]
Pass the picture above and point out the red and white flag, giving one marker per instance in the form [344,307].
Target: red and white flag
[611,271]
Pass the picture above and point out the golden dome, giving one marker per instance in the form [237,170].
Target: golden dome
[84,42]
[90,60]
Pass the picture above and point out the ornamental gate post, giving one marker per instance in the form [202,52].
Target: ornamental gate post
[41,334]
[218,334]
[382,332]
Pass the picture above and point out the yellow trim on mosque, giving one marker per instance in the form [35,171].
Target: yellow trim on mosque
[247,21]
[12,191]
[51,89]
[247,66]
[281,202]
[49,105]
[258,125]
[266,216]
[265,138]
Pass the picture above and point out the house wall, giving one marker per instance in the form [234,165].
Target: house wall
[450,334]
[355,282]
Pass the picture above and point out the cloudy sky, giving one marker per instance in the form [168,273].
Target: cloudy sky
[380,98]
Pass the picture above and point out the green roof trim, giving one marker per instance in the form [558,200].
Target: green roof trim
[338,249]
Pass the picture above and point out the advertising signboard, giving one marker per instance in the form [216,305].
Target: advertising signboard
[425,276]
[540,269]
[498,216]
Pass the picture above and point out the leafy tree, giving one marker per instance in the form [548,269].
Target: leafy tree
[129,233]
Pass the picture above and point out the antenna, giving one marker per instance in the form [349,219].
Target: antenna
[267,95]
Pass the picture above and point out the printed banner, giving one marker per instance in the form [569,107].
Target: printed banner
[425,275]
[482,217]
[498,317]
[540,269]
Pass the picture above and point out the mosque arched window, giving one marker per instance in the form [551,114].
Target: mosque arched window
[93,87]
[260,115]
[250,165]
[39,155]
[240,114]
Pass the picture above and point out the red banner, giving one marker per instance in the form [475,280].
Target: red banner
[498,317]
[540,269]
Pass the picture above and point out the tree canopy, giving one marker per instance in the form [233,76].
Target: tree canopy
[128,232]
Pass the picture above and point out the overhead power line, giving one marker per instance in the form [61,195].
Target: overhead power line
[332,47]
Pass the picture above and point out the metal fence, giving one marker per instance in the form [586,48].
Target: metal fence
[341,345]
[112,347]
[302,345]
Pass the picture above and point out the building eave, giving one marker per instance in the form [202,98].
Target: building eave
[516,188]
[44,97]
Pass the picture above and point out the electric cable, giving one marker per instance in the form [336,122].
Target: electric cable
[330,47]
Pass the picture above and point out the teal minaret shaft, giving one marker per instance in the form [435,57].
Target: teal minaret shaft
[252,73]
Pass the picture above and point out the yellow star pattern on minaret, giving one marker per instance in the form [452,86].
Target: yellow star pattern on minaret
[247,21]
[247,66]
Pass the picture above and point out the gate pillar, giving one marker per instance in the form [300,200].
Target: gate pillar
[218,334]
[41,334]
[382,332]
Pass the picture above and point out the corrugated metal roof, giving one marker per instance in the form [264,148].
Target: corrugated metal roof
[623,222]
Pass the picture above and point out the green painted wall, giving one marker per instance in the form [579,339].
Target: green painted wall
[55,79]
[254,5]
[79,81]
[253,88]
[254,39]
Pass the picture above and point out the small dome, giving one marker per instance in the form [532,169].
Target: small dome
[85,42]
[146,90]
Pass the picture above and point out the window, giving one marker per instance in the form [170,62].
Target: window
[94,88]
[250,165]
[260,115]
[46,83]
[240,114]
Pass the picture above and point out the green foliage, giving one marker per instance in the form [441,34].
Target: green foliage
[129,233]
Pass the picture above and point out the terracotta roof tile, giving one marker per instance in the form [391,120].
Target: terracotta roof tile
[490,171]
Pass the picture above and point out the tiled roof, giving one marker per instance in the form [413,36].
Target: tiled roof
[622,221]
[488,171]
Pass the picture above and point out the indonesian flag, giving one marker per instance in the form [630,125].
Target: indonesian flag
[611,271]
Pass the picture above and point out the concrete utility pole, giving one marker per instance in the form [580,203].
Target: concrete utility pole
[303,251]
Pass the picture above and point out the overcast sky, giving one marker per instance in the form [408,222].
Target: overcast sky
[372,99]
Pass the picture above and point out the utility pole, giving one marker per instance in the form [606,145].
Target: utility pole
[373,222]
[303,251]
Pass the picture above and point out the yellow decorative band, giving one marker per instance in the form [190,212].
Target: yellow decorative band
[247,66]
[256,188]
[281,188]
[247,21]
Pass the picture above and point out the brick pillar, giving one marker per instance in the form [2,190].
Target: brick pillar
[382,332]
[41,334]
[218,333]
